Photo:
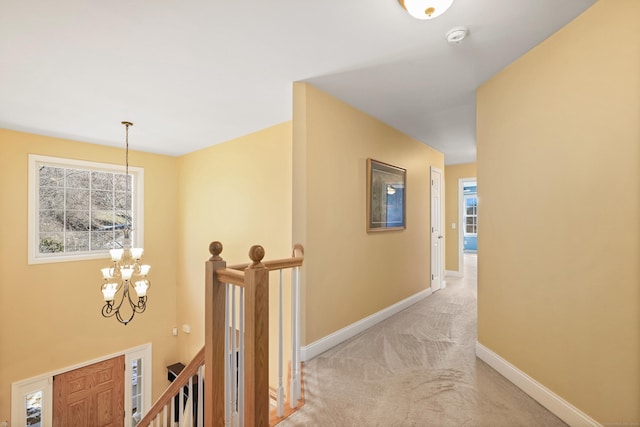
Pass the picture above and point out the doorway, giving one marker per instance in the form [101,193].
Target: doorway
[467,218]
[437,248]
[32,399]
[91,396]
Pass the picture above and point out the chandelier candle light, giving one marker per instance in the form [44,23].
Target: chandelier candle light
[126,274]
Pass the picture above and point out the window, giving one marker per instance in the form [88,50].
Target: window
[138,392]
[470,215]
[31,405]
[79,209]
[137,407]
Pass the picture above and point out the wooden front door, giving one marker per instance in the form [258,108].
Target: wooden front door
[92,396]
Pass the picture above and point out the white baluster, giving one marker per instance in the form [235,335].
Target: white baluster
[298,389]
[173,412]
[240,361]
[200,397]
[280,398]
[181,406]
[238,414]
[295,386]
[190,402]
[227,375]
[234,349]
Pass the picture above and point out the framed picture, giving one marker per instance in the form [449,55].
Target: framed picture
[386,199]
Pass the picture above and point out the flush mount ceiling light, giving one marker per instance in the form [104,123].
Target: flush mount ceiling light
[425,9]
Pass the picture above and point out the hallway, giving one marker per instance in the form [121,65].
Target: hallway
[417,368]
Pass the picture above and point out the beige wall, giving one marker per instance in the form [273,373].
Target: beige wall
[558,161]
[350,274]
[51,312]
[452,174]
[238,193]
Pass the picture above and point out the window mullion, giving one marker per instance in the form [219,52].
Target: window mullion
[64,211]
[90,210]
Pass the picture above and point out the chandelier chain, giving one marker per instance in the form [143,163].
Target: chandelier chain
[127,228]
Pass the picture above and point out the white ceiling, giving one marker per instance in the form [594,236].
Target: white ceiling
[194,73]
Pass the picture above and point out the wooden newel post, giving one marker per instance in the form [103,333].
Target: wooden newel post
[214,330]
[256,357]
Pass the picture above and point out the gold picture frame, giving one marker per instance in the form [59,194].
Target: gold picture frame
[386,196]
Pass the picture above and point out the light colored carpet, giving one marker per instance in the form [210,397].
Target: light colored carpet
[417,368]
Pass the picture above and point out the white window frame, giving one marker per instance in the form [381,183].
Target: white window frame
[464,224]
[35,161]
[44,383]
[19,393]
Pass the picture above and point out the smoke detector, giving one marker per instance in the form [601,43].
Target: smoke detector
[457,34]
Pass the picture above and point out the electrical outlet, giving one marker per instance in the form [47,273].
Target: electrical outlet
[174,331]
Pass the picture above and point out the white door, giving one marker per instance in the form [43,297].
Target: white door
[437,253]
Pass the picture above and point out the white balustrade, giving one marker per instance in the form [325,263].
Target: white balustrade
[296,383]
[234,349]
[189,388]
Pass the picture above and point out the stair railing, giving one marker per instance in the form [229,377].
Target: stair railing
[176,402]
[236,351]
[295,381]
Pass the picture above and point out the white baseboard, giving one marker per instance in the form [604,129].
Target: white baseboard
[323,344]
[452,273]
[554,403]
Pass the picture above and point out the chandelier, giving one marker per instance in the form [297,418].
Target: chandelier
[125,281]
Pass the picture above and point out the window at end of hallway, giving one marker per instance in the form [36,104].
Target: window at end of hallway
[470,215]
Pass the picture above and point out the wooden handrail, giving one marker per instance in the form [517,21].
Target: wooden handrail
[183,379]
[230,275]
[277,264]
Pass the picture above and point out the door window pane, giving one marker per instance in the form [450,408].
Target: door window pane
[471,215]
[136,392]
[33,406]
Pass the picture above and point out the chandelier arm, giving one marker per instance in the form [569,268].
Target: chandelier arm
[108,310]
[141,306]
[122,320]
[137,307]
[133,311]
